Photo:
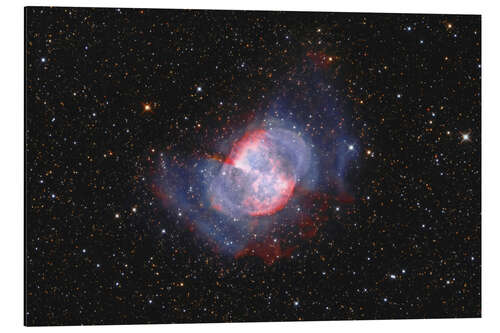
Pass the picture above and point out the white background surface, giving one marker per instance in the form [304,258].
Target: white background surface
[12,164]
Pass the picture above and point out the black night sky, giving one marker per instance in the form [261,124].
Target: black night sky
[128,111]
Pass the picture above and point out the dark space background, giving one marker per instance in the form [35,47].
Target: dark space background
[106,88]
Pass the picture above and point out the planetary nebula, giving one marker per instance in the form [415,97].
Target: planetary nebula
[264,181]
[259,192]
[260,174]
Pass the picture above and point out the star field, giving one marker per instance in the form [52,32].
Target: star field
[111,91]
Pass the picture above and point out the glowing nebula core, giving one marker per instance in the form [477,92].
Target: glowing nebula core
[259,175]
